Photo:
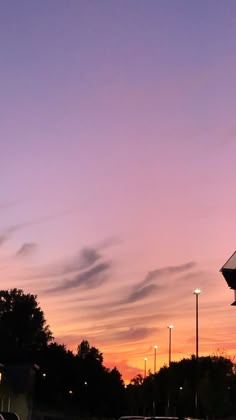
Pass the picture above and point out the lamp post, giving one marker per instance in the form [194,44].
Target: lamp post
[170,328]
[155,359]
[196,293]
[145,367]
[168,397]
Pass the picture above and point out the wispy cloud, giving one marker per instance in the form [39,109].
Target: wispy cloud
[108,242]
[134,334]
[141,293]
[80,261]
[7,233]
[10,203]
[146,287]
[142,290]
[3,238]
[26,249]
[10,230]
[164,271]
[93,277]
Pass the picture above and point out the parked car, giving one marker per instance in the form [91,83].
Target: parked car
[9,416]
[162,418]
[132,418]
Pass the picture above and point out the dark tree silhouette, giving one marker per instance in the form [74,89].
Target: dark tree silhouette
[174,388]
[23,326]
[57,376]
[86,352]
[75,383]
[79,382]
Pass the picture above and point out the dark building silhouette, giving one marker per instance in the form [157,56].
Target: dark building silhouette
[17,389]
[229,272]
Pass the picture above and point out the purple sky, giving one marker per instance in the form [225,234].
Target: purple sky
[117,170]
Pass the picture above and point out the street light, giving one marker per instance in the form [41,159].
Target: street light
[168,400]
[155,359]
[170,328]
[196,293]
[145,366]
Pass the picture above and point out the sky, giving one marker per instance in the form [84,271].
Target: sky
[117,171]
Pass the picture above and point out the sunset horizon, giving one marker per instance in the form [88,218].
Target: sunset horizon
[117,162]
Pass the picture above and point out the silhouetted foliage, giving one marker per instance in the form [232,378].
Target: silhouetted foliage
[80,383]
[85,352]
[173,389]
[23,328]
[137,380]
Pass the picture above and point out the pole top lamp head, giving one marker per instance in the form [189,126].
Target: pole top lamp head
[145,358]
[197,291]
[170,326]
[155,347]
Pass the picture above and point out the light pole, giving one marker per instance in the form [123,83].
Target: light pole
[155,359]
[168,400]
[170,328]
[145,367]
[196,293]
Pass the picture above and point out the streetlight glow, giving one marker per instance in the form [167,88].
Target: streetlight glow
[170,328]
[197,291]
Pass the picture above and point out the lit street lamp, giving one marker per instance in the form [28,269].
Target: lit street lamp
[155,359]
[196,293]
[170,328]
[168,400]
[145,367]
